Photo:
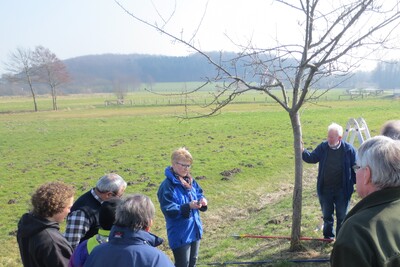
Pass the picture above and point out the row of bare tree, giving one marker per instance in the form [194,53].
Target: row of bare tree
[37,67]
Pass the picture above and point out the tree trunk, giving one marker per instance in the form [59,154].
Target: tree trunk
[54,96]
[34,100]
[295,244]
[33,94]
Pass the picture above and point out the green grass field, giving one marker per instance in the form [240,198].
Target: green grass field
[251,139]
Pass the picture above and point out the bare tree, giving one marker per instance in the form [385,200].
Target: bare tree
[337,36]
[21,69]
[52,71]
[120,91]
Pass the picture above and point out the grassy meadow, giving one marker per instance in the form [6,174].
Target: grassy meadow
[243,159]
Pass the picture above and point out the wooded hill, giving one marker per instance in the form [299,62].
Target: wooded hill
[114,72]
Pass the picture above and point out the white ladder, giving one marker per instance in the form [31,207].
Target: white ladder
[356,127]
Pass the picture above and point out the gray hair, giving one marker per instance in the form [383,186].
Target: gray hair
[336,127]
[382,155]
[111,182]
[391,129]
[135,211]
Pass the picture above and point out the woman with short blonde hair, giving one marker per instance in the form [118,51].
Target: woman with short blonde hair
[181,198]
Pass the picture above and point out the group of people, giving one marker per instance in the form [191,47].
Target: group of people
[368,234]
[105,229]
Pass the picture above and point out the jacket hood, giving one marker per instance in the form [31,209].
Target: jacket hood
[170,175]
[30,225]
[124,233]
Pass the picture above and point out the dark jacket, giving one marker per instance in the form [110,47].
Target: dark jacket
[91,207]
[129,248]
[82,251]
[41,243]
[320,153]
[370,233]
[183,224]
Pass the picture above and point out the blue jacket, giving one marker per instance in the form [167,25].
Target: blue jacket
[183,224]
[129,248]
[320,153]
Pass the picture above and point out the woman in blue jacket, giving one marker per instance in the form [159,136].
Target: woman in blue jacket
[181,198]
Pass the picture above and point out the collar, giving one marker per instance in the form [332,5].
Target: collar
[376,198]
[96,196]
[336,147]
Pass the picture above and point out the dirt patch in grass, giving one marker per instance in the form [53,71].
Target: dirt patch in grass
[218,224]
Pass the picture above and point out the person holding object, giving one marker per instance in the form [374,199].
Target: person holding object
[370,233]
[39,239]
[83,221]
[130,242]
[181,198]
[336,177]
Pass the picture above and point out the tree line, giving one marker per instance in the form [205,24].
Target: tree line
[41,72]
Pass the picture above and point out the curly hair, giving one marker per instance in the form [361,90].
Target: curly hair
[51,198]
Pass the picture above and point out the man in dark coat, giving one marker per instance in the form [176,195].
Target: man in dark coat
[336,177]
[83,221]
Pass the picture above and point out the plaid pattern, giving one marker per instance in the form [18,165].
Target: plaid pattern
[78,225]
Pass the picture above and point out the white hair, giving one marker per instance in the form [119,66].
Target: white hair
[111,182]
[382,155]
[336,127]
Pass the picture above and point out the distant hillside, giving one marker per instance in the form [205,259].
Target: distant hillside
[128,73]
[102,73]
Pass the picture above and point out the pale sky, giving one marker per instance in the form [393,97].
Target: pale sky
[72,28]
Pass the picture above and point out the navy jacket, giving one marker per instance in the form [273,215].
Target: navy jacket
[183,224]
[129,248]
[320,153]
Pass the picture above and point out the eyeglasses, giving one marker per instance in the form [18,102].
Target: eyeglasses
[356,168]
[116,194]
[184,165]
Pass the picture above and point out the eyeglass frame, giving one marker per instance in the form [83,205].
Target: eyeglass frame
[187,166]
[356,168]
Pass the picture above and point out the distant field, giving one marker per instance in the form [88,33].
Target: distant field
[163,94]
[251,140]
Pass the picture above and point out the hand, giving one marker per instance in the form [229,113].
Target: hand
[203,201]
[194,204]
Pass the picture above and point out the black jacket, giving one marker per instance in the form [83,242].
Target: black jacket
[41,243]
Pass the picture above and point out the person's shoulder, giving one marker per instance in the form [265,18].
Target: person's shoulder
[348,146]
[323,145]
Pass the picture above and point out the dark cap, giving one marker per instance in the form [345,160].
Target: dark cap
[107,213]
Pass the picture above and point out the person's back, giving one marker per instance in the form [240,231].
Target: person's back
[83,220]
[372,229]
[130,242]
[370,235]
[106,219]
[128,248]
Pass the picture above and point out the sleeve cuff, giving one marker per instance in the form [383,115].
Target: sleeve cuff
[185,210]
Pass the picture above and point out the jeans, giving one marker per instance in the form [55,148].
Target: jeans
[186,256]
[332,199]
